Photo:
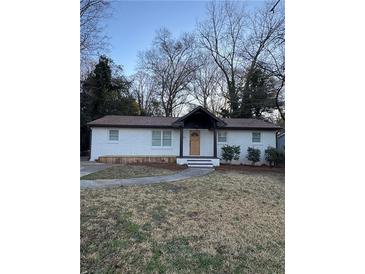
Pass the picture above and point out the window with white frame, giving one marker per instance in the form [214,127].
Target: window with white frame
[156,138]
[166,138]
[222,136]
[113,135]
[256,137]
[161,138]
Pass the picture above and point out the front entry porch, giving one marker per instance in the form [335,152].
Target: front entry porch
[198,138]
[197,148]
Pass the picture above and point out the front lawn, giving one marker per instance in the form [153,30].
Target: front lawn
[128,171]
[225,222]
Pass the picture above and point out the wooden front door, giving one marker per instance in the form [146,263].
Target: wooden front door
[194,142]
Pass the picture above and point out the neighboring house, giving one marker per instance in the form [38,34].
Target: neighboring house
[194,139]
[280,144]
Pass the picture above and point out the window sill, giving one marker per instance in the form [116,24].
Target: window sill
[161,148]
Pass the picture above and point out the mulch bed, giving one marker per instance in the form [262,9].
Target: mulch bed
[225,167]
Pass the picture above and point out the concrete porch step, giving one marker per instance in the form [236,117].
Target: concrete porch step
[208,162]
[200,160]
[201,166]
[200,163]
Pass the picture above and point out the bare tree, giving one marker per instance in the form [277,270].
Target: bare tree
[205,81]
[172,65]
[220,100]
[206,84]
[144,90]
[222,35]
[263,45]
[274,66]
[240,41]
[91,38]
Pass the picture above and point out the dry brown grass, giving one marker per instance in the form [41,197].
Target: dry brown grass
[128,171]
[222,223]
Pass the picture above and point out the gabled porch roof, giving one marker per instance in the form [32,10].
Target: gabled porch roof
[199,117]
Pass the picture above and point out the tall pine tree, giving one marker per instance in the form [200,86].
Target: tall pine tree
[104,92]
[259,96]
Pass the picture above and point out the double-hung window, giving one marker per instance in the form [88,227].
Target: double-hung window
[166,138]
[156,138]
[256,137]
[222,136]
[161,138]
[113,135]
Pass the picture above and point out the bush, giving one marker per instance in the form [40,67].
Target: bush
[274,156]
[253,155]
[271,155]
[230,153]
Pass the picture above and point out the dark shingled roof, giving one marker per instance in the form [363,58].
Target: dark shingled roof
[166,122]
[248,123]
[134,121]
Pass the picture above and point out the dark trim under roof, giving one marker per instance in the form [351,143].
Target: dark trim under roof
[220,122]
[173,122]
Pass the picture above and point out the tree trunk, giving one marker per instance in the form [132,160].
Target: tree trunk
[277,101]
[205,105]
[233,100]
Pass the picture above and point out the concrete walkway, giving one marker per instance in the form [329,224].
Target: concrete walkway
[182,175]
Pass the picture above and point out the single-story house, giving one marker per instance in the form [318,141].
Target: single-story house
[194,139]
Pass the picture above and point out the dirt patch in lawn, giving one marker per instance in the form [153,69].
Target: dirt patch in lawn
[220,223]
[127,171]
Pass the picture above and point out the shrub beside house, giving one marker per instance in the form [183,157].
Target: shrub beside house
[273,156]
[230,153]
[253,155]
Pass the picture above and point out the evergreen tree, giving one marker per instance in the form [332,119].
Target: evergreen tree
[104,92]
[259,96]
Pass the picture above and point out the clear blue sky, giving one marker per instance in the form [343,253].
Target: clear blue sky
[133,24]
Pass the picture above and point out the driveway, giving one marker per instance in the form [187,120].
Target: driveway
[91,167]
[182,175]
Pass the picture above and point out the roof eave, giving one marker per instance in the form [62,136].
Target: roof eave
[252,128]
[130,126]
